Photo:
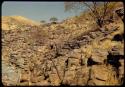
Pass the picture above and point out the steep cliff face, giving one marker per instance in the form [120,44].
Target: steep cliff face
[59,54]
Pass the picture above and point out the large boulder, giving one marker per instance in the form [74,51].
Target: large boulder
[99,55]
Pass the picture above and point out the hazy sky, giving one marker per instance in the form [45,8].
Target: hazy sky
[36,10]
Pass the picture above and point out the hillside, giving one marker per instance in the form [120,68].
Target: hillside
[14,22]
[74,52]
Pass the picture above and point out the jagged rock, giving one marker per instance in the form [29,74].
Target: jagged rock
[120,13]
[54,79]
[10,75]
[102,75]
[82,75]
[24,77]
[93,35]
[72,62]
[121,69]
[117,50]
[99,55]
[97,82]
[102,30]
[69,77]
[75,55]
[99,72]
[62,54]
[42,83]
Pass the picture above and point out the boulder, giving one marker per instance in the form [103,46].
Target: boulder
[99,55]
[99,72]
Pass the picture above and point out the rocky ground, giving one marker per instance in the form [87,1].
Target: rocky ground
[60,55]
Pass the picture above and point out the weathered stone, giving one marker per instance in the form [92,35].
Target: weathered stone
[99,55]
[75,55]
[62,53]
[72,62]
[117,51]
[54,79]
[69,76]
[99,82]
[93,35]
[100,72]
[10,75]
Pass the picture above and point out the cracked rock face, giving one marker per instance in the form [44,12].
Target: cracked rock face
[47,65]
[37,57]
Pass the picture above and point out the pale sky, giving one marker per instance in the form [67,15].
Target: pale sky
[36,11]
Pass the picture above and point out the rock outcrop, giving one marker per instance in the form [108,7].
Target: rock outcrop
[63,56]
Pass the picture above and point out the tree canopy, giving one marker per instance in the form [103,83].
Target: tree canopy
[53,19]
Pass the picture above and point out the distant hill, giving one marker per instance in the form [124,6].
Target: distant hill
[12,22]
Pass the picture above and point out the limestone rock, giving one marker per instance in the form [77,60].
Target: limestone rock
[73,52]
[100,72]
[99,55]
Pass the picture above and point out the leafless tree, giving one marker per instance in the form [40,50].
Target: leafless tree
[98,10]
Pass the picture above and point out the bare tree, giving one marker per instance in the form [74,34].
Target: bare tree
[98,10]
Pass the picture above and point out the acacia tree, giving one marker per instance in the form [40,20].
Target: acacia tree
[98,10]
[43,21]
[53,19]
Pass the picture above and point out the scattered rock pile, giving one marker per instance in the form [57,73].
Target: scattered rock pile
[34,56]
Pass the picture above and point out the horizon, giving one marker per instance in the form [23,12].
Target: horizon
[37,11]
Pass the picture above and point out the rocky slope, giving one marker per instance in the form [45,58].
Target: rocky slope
[64,54]
[15,22]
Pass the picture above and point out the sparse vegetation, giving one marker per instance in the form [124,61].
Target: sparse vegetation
[53,20]
[99,11]
[43,21]
[73,52]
